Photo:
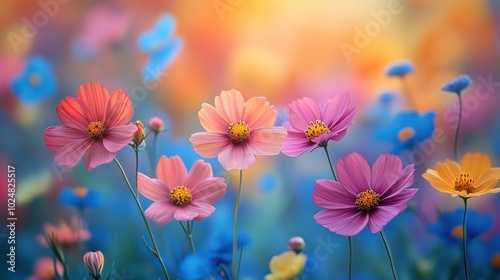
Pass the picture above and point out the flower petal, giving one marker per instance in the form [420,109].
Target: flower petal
[118,137]
[202,209]
[448,171]
[380,217]
[211,120]
[342,221]
[476,164]
[209,144]
[489,180]
[70,154]
[74,113]
[56,137]
[171,171]
[200,171]
[96,98]
[258,113]
[405,180]
[119,109]
[97,155]
[153,189]
[186,213]
[209,190]
[354,173]
[230,105]
[385,171]
[302,112]
[336,108]
[161,211]
[331,195]
[400,201]
[267,141]
[433,178]
[236,157]
[296,142]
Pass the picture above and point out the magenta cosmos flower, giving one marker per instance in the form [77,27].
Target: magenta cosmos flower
[312,125]
[361,196]
[94,122]
[237,131]
[179,194]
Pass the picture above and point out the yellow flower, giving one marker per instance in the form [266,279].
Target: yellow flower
[474,177]
[286,266]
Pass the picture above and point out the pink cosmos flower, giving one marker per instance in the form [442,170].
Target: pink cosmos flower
[237,131]
[361,196]
[95,123]
[312,125]
[65,234]
[179,194]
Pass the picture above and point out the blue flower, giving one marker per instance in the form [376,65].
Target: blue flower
[80,197]
[161,45]
[220,246]
[195,267]
[399,69]
[449,225]
[36,83]
[458,84]
[407,129]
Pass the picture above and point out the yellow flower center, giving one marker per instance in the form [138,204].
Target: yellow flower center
[239,132]
[35,79]
[464,182]
[316,129]
[406,133]
[80,191]
[95,130]
[457,232]
[367,200]
[180,196]
[495,261]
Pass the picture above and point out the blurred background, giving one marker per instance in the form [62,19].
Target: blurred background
[282,50]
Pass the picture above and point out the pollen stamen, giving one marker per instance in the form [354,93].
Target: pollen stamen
[96,130]
[367,200]
[316,129]
[180,196]
[464,182]
[239,132]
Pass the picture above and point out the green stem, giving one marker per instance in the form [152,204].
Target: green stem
[190,235]
[152,158]
[235,230]
[330,162]
[464,239]
[389,255]
[350,257]
[226,275]
[136,198]
[455,144]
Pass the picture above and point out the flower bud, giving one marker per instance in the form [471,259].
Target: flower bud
[156,124]
[94,262]
[139,134]
[297,244]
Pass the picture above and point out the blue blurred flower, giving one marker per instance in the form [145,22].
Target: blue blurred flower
[80,197]
[407,129]
[195,267]
[458,84]
[161,45]
[220,246]
[399,69]
[36,83]
[449,225]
